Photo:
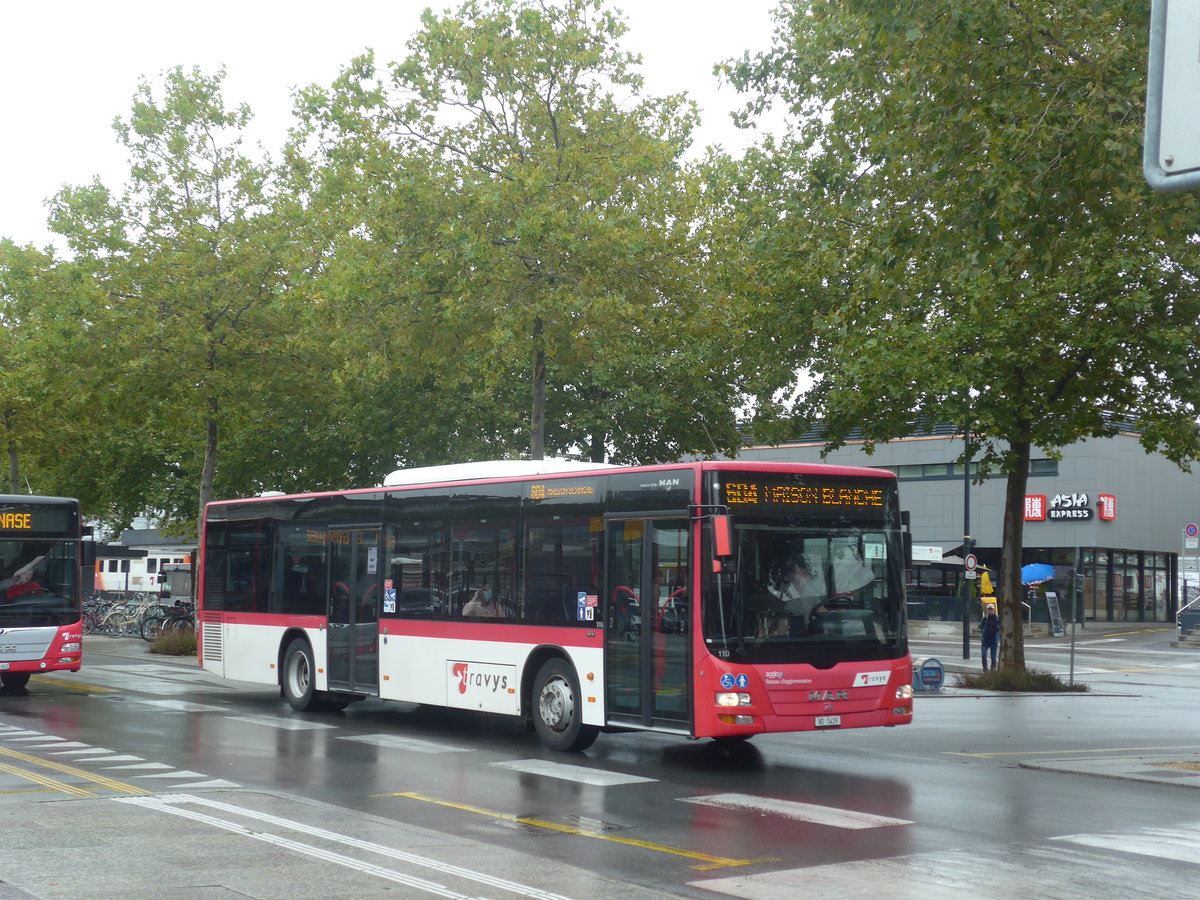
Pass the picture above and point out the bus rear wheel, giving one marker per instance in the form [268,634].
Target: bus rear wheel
[299,670]
[557,714]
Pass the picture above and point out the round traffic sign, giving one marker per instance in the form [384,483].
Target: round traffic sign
[1191,530]
[971,562]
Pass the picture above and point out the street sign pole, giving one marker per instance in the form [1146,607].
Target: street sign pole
[968,544]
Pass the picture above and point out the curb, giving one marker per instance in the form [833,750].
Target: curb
[1155,769]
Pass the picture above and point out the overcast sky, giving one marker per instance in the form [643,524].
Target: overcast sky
[69,68]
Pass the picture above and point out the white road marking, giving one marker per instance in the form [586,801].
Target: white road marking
[577,774]
[175,805]
[112,757]
[184,706]
[145,765]
[283,724]
[801,812]
[397,742]
[1064,867]
[1177,843]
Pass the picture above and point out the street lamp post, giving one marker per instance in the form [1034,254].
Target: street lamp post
[968,543]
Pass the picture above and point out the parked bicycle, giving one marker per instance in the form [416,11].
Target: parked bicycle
[170,620]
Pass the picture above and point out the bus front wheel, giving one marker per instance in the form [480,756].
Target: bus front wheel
[557,714]
[15,680]
[299,668]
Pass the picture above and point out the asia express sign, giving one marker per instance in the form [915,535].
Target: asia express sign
[1069,506]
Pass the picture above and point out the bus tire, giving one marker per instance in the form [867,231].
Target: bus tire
[14,680]
[299,675]
[557,712]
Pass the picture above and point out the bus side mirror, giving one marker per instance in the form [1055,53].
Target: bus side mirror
[87,554]
[723,560]
[722,537]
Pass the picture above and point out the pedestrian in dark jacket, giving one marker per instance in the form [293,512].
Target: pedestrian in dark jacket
[989,630]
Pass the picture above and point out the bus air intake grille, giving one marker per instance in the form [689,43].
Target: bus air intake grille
[211,633]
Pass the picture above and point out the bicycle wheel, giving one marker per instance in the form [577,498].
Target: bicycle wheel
[179,624]
[152,627]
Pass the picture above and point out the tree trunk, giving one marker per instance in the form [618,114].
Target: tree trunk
[209,471]
[1012,594]
[597,452]
[537,425]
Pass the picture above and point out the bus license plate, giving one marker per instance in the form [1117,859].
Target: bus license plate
[3,667]
[828,721]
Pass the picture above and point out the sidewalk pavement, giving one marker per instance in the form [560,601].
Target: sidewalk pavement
[130,648]
[1181,770]
[1163,769]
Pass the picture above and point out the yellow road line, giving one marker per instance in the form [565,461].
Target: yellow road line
[77,685]
[47,781]
[1068,752]
[707,861]
[101,780]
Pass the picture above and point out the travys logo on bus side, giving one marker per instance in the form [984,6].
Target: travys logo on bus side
[476,677]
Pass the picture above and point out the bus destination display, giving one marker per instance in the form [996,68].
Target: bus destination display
[741,493]
[27,519]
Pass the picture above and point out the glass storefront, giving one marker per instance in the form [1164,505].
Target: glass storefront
[1127,585]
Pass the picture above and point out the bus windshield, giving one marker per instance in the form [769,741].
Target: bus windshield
[818,593]
[37,583]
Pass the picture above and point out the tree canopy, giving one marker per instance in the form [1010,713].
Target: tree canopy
[516,198]
[493,247]
[961,233]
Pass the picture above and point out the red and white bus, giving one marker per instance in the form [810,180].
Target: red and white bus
[41,555]
[586,598]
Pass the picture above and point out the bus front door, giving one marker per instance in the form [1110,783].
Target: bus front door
[352,637]
[647,623]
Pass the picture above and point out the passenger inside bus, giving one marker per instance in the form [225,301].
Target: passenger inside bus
[792,607]
[22,582]
[481,604]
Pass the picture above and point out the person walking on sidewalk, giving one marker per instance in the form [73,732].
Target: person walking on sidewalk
[989,630]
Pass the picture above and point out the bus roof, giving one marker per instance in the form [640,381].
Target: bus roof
[507,469]
[498,468]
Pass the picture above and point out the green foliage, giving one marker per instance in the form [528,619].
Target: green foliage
[498,229]
[192,265]
[175,643]
[1027,680]
[525,218]
[958,231]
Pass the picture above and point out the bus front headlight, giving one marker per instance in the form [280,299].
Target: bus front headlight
[730,698]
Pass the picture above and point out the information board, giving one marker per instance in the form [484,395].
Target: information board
[1056,622]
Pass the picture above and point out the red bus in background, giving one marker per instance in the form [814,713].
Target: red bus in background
[42,553]
[705,599]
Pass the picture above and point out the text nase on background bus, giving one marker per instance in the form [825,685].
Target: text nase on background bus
[707,599]
[41,552]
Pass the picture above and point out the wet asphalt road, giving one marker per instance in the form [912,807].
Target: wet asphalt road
[144,777]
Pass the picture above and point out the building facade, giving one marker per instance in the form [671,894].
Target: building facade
[1107,510]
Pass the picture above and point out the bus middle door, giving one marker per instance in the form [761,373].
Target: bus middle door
[353,633]
[647,623]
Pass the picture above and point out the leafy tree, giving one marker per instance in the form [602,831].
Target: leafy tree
[193,261]
[517,213]
[24,275]
[961,233]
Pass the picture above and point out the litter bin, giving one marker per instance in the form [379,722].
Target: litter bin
[928,674]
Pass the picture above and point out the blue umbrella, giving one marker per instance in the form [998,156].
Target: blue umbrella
[1036,573]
